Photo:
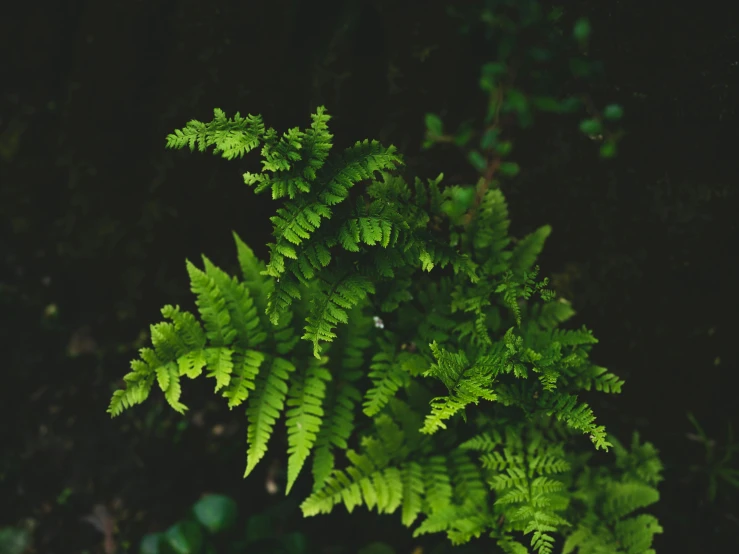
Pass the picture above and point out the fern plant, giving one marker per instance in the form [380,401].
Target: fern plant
[424,371]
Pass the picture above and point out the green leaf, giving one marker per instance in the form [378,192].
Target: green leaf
[590,126]
[509,169]
[489,138]
[477,160]
[490,71]
[215,512]
[434,125]
[294,543]
[546,103]
[185,537]
[504,148]
[613,112]
[13,540]
[150,543]
[581,31]
[608,149]
[464,134]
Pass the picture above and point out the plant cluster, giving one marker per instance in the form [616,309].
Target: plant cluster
[433,376]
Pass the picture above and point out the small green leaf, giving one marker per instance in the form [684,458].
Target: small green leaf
[580,67]
[570,104]
[215,512]
[150,543]
[590,126]
[185,537]
[489,138]
[464,134]
[434,125]
[504,148]
[581,31]
[509,169]
[546,103]
[294,543]
[608,149]
[613,112]
[516,101]
[477,160]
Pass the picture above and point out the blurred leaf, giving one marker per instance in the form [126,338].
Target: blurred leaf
[150,543]
[608,149]
[613,112]
[434,124]
[516,101]
[185,537]
[590,126]
[477,160]
[215,512]
[504,148]
[509,169]
[258,527]
[489,138]
[294,543]
[489,74]
[581,31]
[13,540]
[546,103]
[580,67]
[464,134]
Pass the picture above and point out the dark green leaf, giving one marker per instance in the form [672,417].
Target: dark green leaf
[504,148]
[509,169]
[546,104]
[185,537]
[590,126]
[489,138]
[477,160]
[150,543]
[215,512]
[581,31]
[464,134]
[13,540]
[613,112]
[608,149]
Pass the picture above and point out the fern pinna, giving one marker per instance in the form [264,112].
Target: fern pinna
[474,357]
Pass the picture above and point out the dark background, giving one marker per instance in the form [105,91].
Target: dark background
[96,220]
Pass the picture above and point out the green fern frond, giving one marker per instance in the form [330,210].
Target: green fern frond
[305,416]
[387,376]
[330,308]
[467,384]
[245,371]
[267,401]
[232,137]
[527,250]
